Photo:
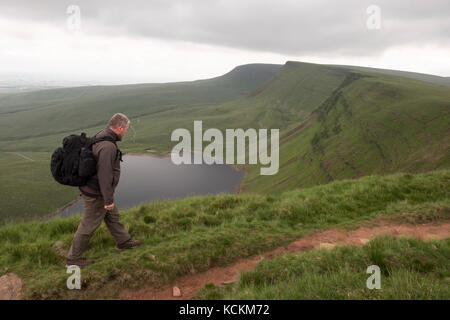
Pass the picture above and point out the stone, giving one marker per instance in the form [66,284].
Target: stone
[10,287]
[58,248]
[176,292]
[326,245]
[363,240]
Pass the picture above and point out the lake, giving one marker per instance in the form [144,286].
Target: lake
[145,178]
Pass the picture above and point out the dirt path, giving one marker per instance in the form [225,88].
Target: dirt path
[190,284]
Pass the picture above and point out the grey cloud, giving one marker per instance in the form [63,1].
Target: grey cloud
[282,26]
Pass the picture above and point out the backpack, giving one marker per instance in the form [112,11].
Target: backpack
[74,164]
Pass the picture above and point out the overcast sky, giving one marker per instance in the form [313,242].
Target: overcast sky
[162,40]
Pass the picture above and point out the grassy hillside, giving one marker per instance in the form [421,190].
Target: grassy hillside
[444,81]
[371,124]
[411,269]
[275,104]
[44,113]
[27,189]
[335,123]
[197,233]
[268,103]
[34,124]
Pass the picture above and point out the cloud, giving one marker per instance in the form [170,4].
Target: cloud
[280,26]
[318,29]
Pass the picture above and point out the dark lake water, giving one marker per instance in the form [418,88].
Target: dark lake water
[145,178]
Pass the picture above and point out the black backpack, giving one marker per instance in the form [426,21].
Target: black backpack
[74,164]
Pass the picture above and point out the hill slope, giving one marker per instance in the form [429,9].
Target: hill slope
[43,113]
[198,233]
[335,123]
[444,81]
[371,124]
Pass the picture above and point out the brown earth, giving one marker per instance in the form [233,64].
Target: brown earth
[288,134]
[327,239]
[10,287]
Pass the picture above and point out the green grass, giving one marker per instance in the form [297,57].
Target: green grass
[336,123]
[44,113]
[410,269]
[197,233]
[443,81]
[257,101]
[27,188]
[260,109]
[353,123]
[374,124]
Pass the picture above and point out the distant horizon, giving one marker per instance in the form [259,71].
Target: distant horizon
[67,82]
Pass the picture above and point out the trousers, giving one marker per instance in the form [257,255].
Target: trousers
[93,215]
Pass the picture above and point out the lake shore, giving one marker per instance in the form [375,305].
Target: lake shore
[60,210]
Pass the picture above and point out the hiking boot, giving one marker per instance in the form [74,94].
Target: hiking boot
[82,262]
[128,245]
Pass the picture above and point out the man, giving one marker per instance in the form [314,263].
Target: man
[98,195]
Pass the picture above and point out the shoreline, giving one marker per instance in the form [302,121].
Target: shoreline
[57,212]
[241,189]
[149,154]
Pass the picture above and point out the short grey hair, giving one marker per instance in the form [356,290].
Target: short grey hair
[118,120]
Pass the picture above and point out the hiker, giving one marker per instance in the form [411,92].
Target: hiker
[98,195]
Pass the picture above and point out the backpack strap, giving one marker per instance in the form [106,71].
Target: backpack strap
[94,140]
[107,138]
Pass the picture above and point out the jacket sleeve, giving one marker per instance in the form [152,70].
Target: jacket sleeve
[105,171]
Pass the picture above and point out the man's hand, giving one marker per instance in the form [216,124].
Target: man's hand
[110,207]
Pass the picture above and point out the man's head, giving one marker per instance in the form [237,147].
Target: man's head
[119,123]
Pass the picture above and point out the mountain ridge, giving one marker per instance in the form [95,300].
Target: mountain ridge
[335,123]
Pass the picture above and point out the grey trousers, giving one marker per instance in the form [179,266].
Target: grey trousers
[93,215]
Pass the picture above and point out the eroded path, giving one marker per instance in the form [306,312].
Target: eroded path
[192,283]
